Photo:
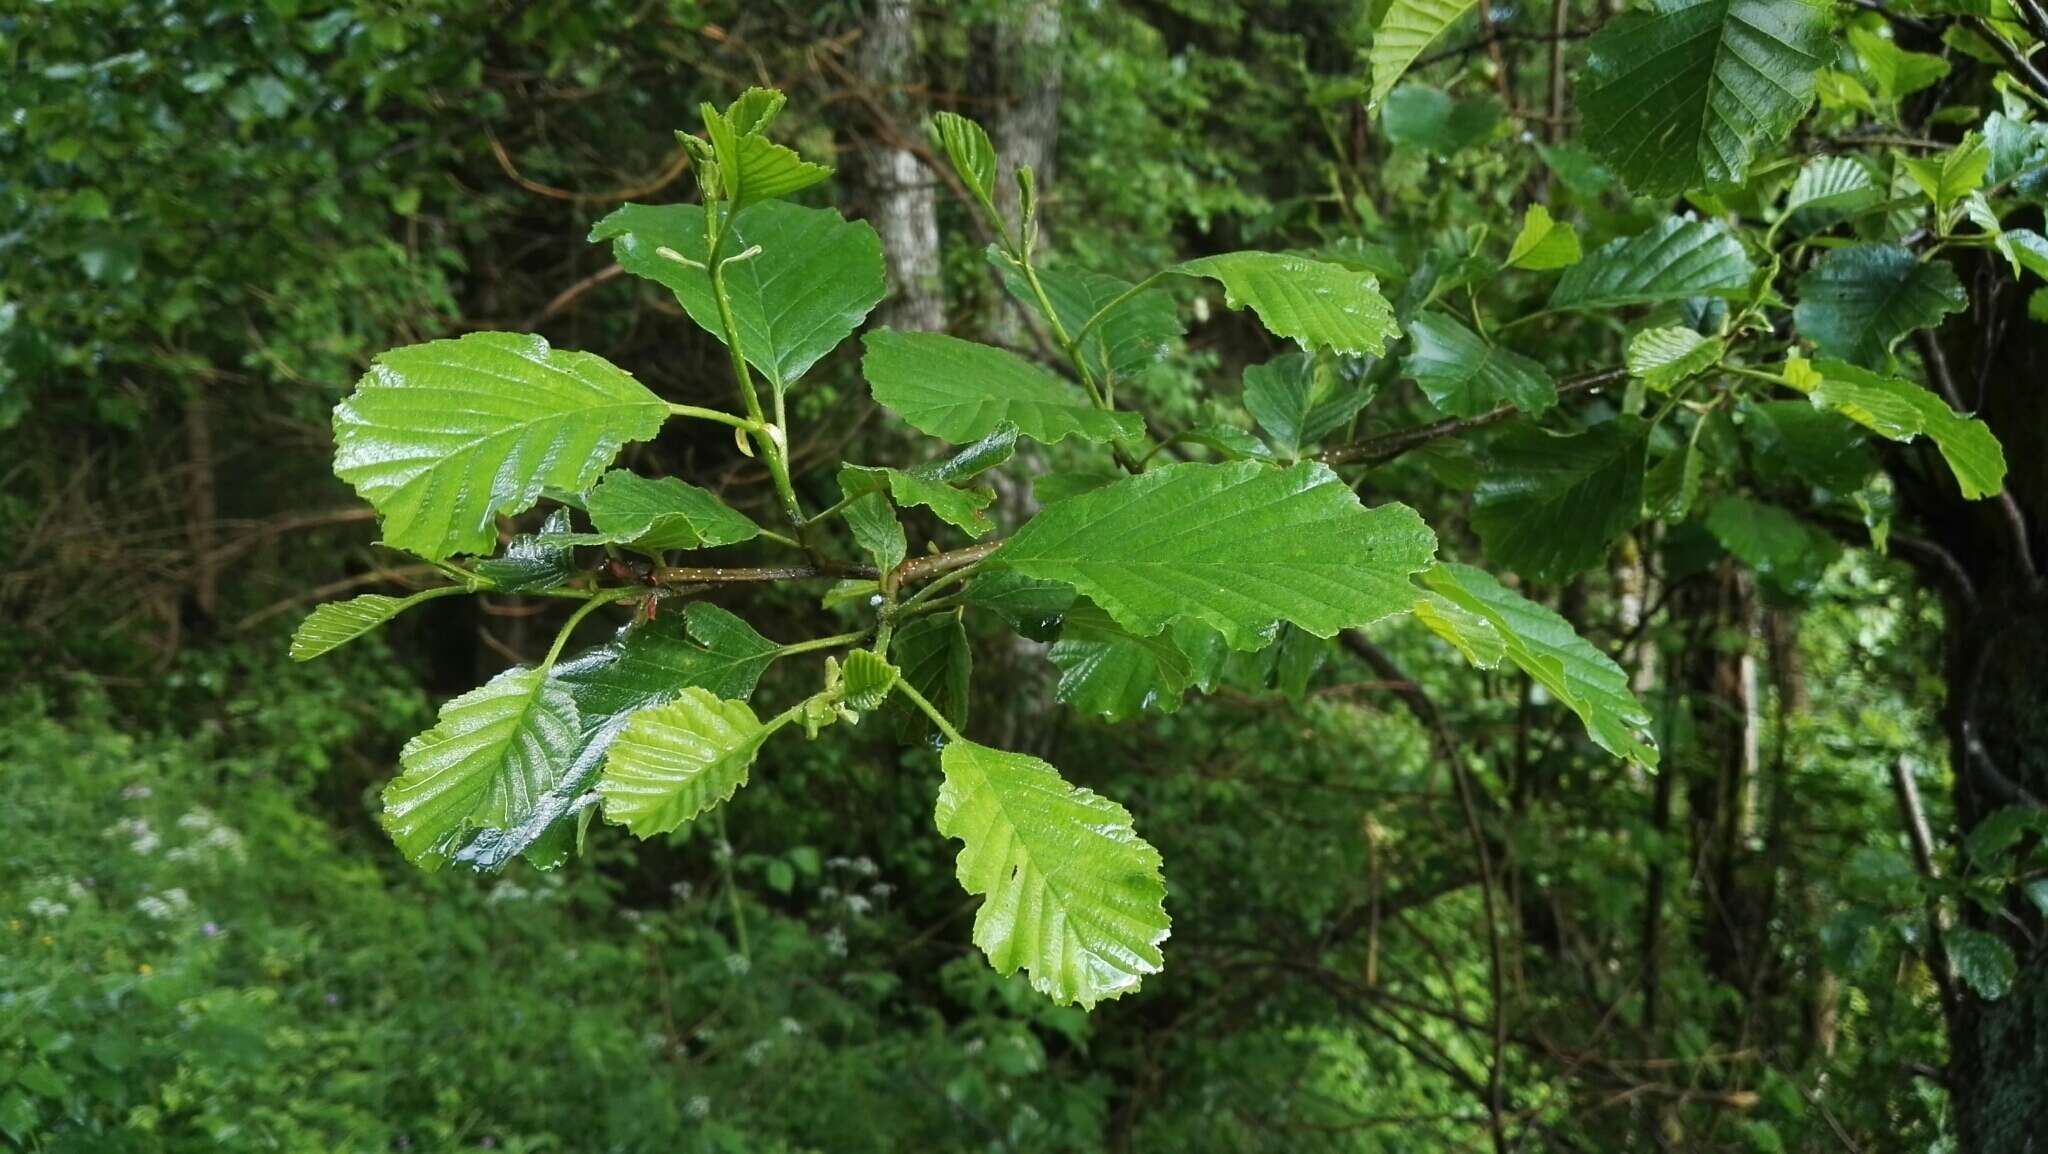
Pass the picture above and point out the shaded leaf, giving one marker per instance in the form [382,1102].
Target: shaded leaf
[1108,671]
[1856,303]
[1671,262]
[1901,410]
[1464,376]
[1299,400]
[531,562]
[1549,506]
[933,658]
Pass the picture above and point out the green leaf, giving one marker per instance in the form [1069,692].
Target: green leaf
[1133,337]
[1408,28]
[962,391]
[484,765]
[1671,262]
[1671,487]
[968,149]
[335,624]
[1663,357]
[1544,645]
[872,521]
[866,679]
[1032,607]
[1856,303]
[1418,116]
[1464,376]
[1835,186]
[933,658]
[1543,243]
[654,514]
[1792,439]
[1074,896]
[1689,93]
[837,264]
[1771,541]
[443,437]
[1299,399]
[1953,175]
[961,508]
[645,664]
[1237,546]
[751,167]
[532,562]
[1106,670]
[1549,506]
[673,762]
[1471,634]
[1309,301]
[1983,961]
[1227,441]
[1901,410]
[1897,72]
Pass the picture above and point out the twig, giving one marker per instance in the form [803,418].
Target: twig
[676,168]
[2015,60]
[1387,446]
[1915,817]
[2016,522]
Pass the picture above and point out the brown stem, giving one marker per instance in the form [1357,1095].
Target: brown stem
[1387,446]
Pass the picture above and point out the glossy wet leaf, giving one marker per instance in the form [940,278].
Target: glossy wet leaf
[335,624]
[1690,92]
[1107,671]
[1900,411]
[658,513]
[442,438]
[1663,357]
[1298,400]
[1544,243]
[961,508]
[1239,547]
[1317,304]
[1675,260]
[1072,895]
[485,764]
[1856,303]
[1464,376]
[530,561]
[1547,648]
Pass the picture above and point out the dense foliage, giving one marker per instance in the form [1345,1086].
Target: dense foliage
[1544,500]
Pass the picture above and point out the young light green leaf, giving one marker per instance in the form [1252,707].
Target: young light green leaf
[1404,33]
[1299,399]
[1954,174]
[1549,506]
[645,664]
[1856,303]
[1108,671]
[1238,546]
[752,168]
[443,437]
[1074,895]
[968,149]
[1471,634]
[335,624]
[1901,410]
[837,263]
[1464,376]
[1677,259]
[1312,302]
[866,679]
[1897,72]
[1543,243]
[1663,357]
[654,514]
[1688,93]
[484,765]
[673,762]
[961,391]
[1544,645]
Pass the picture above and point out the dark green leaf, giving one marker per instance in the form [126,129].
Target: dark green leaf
[1464,376]
[1856,303]
[1549,506]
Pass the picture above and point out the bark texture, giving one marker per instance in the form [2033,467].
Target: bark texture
[900,192]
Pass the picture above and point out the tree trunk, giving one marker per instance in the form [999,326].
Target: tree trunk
[1027,122]
[1997,715]
[901,194]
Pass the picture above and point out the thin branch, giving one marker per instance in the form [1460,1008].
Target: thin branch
[667,176]
[2015,60]
[1914,815]
[1387,446]
[2016,522]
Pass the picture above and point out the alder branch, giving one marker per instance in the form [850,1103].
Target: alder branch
[1385,447]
